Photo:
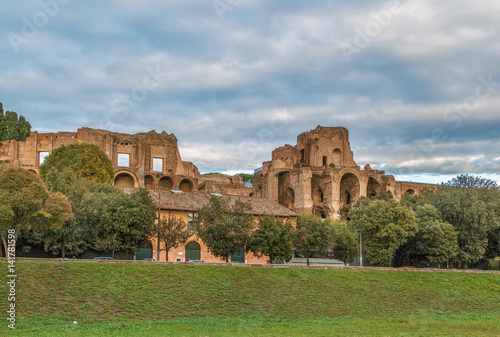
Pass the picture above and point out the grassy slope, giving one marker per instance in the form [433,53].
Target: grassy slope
[114,292]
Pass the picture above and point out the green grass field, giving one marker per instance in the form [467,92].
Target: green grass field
[148,299]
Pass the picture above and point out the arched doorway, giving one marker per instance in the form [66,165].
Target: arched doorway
[124,180]
[193,251]
[186,186]
[149,182]
[349,189]
[166,184]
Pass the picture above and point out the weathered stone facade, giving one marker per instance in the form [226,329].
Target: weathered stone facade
[319,175]
[132,156]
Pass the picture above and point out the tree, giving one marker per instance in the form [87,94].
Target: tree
[313,236]
[13,127]
[225,228]
[120,222]
[472,206]
[25,203]
[385,225]
[346,246]
[470,181]
[274,238]
[247,179]
[67,165]
[436,240]
[172,231]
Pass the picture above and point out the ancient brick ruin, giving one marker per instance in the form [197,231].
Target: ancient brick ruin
[319,175]
[140,160]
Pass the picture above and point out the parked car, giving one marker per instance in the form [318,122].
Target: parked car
[103,258]
[148,259]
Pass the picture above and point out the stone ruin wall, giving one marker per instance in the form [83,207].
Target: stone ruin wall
[319,175]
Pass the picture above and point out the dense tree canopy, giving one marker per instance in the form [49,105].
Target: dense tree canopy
[274,238]
[435,240]
[67,165]
[346,246]
[472,206]
[25,203]
[384,225]
[225,228]
[313,236]
[119,221]
[12,126]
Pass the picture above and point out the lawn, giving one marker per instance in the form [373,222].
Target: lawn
[116,299]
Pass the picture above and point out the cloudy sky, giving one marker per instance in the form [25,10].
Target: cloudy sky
[417,83]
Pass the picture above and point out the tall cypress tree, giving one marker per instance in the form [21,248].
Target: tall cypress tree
[13,126]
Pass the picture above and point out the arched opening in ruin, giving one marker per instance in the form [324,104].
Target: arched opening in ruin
[336,157]
[349,189]
[373,188]
[410,191]
[317,195]
[186,186]
[124,180]
[149,182]
[283,189]
[32,171]
[320,211]
[166,183]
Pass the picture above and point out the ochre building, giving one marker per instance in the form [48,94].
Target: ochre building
[319,175]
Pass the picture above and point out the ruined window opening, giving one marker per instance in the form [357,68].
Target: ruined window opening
[302,156]
[158,164]
[41,157]
[324,160]
[124,159]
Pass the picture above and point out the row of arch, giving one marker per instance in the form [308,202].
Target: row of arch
[349,189]
[127,179]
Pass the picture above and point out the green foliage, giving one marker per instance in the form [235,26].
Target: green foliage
[118,299]
[472,206]
[247,178]
[313,235]
[12,126]
[274,238]
[470,181]
[172,231]
[346,246]
[66,165]
[120,222]
[25,203]
[385,225]
[224,228]
[436,240]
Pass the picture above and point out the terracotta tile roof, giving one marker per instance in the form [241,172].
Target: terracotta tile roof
[195,200]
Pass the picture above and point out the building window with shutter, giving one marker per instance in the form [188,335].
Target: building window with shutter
[193,221]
